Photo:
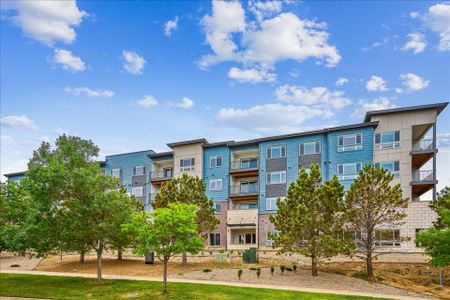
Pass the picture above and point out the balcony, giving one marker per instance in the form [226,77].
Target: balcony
[158,177]
[422,151]
[244,167]
[242,218]
[423,181]
[245,191]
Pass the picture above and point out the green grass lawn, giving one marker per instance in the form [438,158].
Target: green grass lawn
[59,287]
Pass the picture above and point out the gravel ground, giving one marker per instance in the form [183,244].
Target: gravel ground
[302,278]
[25,263]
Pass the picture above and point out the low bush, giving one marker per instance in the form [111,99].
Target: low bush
[240,273]
[206,270]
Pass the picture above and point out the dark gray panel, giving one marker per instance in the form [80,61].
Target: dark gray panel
[305,161]
[138,180]
[275,190]
[275,164]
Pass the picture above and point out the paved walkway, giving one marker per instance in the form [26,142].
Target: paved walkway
[237,284]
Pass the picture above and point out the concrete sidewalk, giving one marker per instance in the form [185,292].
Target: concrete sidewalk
[236,284]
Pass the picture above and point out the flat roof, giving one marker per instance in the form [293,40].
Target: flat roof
[188,142]
[218,144]
[160,155]
[439,106]
[126,153]
[14,174]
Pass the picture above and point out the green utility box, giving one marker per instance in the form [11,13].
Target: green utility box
[249,256]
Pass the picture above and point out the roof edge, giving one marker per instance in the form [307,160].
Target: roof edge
[439,106]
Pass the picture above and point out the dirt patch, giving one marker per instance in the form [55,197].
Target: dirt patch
[9,261]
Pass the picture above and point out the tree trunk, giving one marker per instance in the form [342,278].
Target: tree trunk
[99,261]
[165,275]
[313,265]
[119,254]
[60,254]
[184,259]
[369,264]
[82,256]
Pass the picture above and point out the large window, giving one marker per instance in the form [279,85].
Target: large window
[387,237]
[276,177]
[244,238]
[215,161]
[214,239]
[248,187]
[215,184]
[387,140]
[137,191]
[139,170]
[350,142]
[249,163]
[116,172]
[245,205]
[391,166]
[187,164]
[271,203]
[310,148]
[276,151]
[348,171]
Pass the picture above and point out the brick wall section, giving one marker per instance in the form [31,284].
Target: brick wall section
[264,226]
[221,228]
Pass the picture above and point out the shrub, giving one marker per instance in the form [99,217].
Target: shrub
[15,266]
[289,269]
[210,252]
[272,269]
[240,273]
[206,270]
[253,268]
[282,268]
[295,268]
[258,272]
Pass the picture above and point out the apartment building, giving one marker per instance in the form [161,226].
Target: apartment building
[245,178]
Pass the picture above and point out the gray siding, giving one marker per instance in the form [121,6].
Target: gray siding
[275,164]
[275,190]
[305,161]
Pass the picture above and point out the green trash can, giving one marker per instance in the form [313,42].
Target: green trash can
[249,256]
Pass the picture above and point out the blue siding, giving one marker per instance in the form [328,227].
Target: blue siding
[127,161]
[16,177]
[217,173]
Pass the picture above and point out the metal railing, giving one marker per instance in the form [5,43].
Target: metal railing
[165,174]
[244,189]
[242,165]
[423,175]
[244,206]
[425,144]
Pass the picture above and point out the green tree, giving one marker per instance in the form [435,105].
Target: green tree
[436,241]
[310,220]
[373,204]
[167,232]
[189,190]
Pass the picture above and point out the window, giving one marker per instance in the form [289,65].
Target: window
[248,187]
[348,171]
[249,163]
[217,208]
[271,203]
[270,237]
[310,148]
[417,232]
[139,170]
[249,205]
[215,161]
[391,166]
[244,238]
[117,172]
[214,239]
[215,184]
[387,237]
[187,164]
[167,172]
[350,142]
[276,151]
[276,177]
[387,140]
[137,191]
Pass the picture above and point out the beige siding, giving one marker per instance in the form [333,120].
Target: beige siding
[188,151]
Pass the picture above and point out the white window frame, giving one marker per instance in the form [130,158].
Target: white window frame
[354,146]
[270,149]
[214,159]
[388,243]
[394,172]
[135,188]
[190,167]
[135,168]
[215,184]
[308,143]
[270,174]
[387,145]
[116,170]
[348,176]
[273,200]
[215,235]
[269,237]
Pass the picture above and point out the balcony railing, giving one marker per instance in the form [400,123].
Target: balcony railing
[161,175]
[245,206]
[424,175]
[243,165]
[425,144]
[244,189]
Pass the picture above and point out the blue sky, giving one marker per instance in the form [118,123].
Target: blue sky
[136,75]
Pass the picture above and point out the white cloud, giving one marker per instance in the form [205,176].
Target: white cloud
[319,96]
[341,81]
[68,61]
[170,26]
[369,105]
[295,73]
[383,42]
[443,139]
[416,43]
[295,38]
[438,20]
[268,118]
[147,101]
[414,82]
[18,121]
[89,92]
[376,83]
[264,9]
[6,140]
[251,75]
[185,103]
[133,62]
[46,21]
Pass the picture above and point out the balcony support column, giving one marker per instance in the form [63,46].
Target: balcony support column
[434,159]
